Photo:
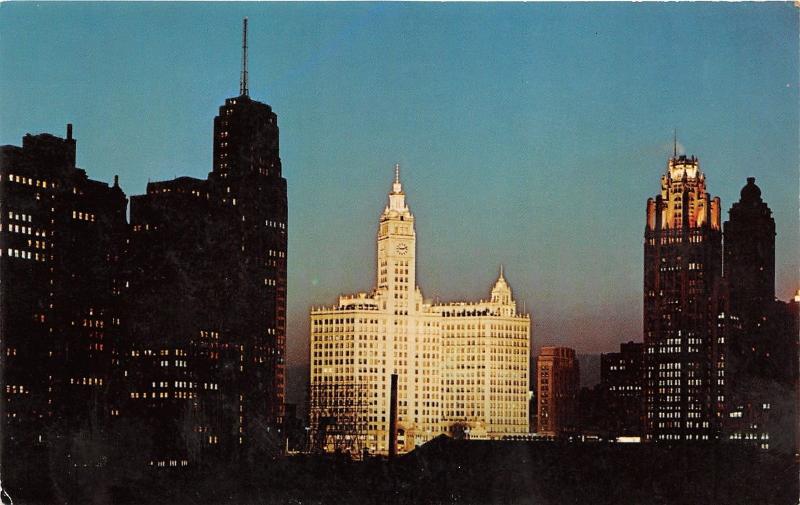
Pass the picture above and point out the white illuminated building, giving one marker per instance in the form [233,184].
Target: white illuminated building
[461,366]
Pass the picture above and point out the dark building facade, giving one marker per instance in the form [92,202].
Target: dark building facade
[682,268]
[176,349]
[207,266]
[758,337]
[621,377]
[248,178]
[61,236]
[166,336]
[750,255]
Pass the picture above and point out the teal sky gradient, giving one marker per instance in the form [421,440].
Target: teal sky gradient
[529,134]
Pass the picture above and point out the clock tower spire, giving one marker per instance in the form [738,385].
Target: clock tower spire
[397,248]
[397,199]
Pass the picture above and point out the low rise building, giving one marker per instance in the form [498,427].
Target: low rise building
[558,382]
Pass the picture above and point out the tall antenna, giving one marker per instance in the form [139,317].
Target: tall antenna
[243,78]
[675,143]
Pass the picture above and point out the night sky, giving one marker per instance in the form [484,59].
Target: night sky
[528,134]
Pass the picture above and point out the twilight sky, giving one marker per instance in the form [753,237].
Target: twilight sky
[529,134]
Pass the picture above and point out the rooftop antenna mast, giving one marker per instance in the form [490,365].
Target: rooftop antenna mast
[243,78]
[675,143]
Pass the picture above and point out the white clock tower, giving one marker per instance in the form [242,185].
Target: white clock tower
[396,251]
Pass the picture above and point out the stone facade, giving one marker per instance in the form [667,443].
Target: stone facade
[460,366]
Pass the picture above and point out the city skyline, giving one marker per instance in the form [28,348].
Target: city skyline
[564,149]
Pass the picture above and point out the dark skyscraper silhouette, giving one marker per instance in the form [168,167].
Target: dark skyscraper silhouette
[170,332]
[207,270]
[621,384]
[750,254]
[759,341]
[682,267]
[60,238]
[248,179]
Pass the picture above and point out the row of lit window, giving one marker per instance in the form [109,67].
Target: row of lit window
[162,352]
[674,240]
[15,228]
[178,362]
[29,181]
[26,255]
[674,349]
[36,244]
[84,216]
[209,334]
[93,323]
[165,394]
[19,217]
[170,463]
[87,381]
[625,388]
[152,395]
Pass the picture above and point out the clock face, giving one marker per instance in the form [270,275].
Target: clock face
[402,248]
